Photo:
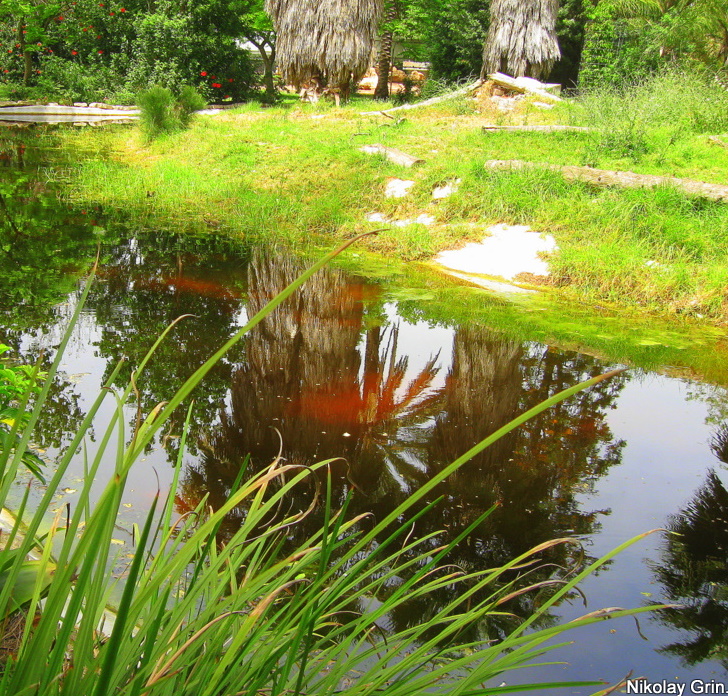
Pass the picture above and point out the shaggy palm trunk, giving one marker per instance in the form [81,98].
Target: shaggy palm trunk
[522,38]
[384,64]
[332,39]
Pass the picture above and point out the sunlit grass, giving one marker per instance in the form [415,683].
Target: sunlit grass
[293,173]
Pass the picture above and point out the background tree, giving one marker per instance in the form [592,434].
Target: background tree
[521,38]
[89,50]
[386,38]
[571,31]
[449,34]
[258,29]
[329,42]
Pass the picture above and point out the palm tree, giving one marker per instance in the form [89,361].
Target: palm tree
[327,43]
[522,38]
[384,62]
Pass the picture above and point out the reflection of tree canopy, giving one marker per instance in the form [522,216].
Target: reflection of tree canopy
[44,244]
[329,377]
[147,282]
[694,574]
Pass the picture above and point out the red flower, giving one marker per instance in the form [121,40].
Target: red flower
[111,14]
[204,73]
[230,79]
[74,53]
[216,84]
[85,29]
[122,10]
[60,19]
[101,4]
[100,51]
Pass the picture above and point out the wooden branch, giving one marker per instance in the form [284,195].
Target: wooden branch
[396,156]
[603,177]
[539,129]
[525,85]
[428,102]
[717,141]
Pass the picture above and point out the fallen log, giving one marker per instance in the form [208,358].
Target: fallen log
[428,102]
[717,141]
[396,156]
[526,85]
[539,129]
[603,177]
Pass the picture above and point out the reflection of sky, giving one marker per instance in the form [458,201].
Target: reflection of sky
[420,342]
[663,464]
[84,368]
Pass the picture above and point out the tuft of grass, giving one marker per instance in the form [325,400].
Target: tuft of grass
[162,113]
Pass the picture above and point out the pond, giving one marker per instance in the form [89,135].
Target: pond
[365,366]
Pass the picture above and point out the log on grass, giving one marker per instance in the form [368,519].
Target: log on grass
[537,129]
[526,85]
[396,156]
[717,141]
[603,177]
[428,102]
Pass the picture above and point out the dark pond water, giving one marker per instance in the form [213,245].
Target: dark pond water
[362,370]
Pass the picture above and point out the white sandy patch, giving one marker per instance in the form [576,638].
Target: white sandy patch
[397,188]
[446,190]
[508,251]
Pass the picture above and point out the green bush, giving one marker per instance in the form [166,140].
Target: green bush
[189,101]
[162,113]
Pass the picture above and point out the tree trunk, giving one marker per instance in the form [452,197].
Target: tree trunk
[384,64]
[268,64]
[604,177]
[27,56]
[521,39]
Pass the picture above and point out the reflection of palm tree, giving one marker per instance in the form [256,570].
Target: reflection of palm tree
[719,443]
[303,376]
[694,574]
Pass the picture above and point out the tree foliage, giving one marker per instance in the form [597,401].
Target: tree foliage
[89,50]
[448,34]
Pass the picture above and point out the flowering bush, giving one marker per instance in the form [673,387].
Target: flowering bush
[173,46]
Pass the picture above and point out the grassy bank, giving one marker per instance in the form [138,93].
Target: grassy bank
[294,173]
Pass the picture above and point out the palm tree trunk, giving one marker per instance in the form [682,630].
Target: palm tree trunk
[384,64]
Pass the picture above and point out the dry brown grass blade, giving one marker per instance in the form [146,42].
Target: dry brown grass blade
[162,671]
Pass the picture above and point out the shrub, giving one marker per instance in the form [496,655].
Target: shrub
[162,113]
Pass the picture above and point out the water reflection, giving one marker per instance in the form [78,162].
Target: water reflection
[693,571]
[324,374]
[44,244]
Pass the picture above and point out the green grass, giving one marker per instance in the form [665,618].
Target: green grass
[294,173]
[197,618]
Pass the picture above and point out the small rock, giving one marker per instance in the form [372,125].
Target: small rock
[376,217]
[83,104]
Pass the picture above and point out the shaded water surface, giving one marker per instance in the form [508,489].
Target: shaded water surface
[343,371]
